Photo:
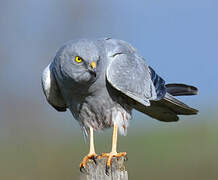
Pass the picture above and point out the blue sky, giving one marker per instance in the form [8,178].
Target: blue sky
[178,39]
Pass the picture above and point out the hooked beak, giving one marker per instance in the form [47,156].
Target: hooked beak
[93,68]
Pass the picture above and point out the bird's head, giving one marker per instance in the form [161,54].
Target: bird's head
[78,61]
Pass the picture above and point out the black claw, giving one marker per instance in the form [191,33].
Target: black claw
[94,159]
[82,169]
[126,158]
[107,170]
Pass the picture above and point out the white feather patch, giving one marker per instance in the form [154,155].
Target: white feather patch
[121,118]
[46,81]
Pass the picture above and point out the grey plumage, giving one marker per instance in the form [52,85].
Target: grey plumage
[105,95]
[51,89]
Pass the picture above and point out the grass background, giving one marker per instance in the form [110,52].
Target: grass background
[53,148]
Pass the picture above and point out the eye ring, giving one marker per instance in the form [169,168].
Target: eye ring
[78,59]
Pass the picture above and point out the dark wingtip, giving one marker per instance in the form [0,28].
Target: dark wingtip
[176,89]
[195,111]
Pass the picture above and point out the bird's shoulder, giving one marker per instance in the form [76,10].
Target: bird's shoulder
[114,46]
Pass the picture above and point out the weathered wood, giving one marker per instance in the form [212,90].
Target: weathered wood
[97,171]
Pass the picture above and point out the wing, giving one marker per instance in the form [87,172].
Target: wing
[166,109]
[51,90]
[181,89]
[144,89]
[159,84]
[129,74]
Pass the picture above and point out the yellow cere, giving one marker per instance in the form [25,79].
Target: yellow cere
[93,65]
[78,59]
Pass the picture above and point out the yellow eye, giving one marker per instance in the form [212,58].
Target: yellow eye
[78,59]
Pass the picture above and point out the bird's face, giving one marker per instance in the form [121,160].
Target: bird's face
[79,61]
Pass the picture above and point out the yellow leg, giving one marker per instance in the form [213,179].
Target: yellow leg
[92,146]
[114,140]
[113,152]
[92,155]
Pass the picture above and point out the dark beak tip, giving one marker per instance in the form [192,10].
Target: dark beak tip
[93,72]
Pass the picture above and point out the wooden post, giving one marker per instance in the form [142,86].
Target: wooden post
[97,171]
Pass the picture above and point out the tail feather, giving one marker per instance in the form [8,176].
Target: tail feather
[181,89]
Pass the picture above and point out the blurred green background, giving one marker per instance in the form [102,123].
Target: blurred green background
[178,39]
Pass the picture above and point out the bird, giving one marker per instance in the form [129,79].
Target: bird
[101,81]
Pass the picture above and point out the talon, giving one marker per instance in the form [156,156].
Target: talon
[82,169]
[126,158]
[85,160]
[94,159]
[107,170]
[109,160]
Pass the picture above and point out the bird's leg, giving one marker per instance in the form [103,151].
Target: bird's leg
[91,155]
[113,152]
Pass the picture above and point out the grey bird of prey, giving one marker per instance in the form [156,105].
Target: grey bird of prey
[101,81]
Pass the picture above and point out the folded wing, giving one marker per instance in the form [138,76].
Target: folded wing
[51,90]
[130,75]
[145,90]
